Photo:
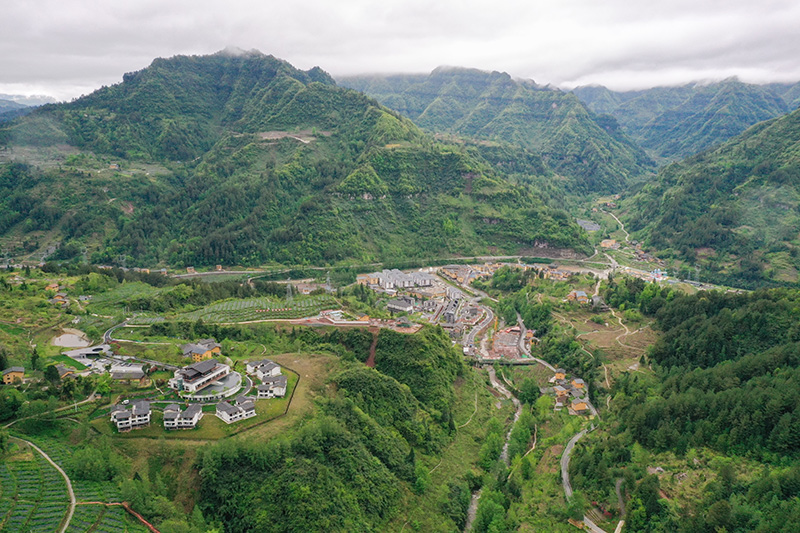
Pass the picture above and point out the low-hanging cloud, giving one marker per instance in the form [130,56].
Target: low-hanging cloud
[70,48]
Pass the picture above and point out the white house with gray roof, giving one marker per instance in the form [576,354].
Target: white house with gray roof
[243,408]
[174,418]
[273,387]
[268,370]
[137,417]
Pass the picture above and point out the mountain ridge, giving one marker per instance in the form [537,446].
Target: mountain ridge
[259,162]
[591,151]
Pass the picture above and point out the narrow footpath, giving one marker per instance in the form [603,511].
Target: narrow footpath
[72,500]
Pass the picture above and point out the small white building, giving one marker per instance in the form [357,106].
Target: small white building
[252,366]
[244,408]
[188,419]
[273,387]
[137,417]
[267,371]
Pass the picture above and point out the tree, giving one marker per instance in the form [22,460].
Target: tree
[529,391]
[35,359]
[51,374]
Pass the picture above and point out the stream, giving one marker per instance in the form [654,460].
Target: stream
[476,496]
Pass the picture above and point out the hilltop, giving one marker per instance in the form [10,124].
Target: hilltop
[591,151]
[244,159]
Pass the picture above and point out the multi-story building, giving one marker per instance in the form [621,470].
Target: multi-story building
[175,419]
[197,376]
[137,417]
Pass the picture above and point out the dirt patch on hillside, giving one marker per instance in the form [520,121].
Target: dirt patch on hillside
[550,461]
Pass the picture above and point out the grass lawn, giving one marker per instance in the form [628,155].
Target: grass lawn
[68,361]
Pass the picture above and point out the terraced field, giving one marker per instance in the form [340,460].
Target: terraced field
[85,491]
[261,309]
[34,496]
[102,519]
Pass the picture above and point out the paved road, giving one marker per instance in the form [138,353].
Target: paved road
[565,463]
[66,479]
[107,338]
[469,339]
[523,347]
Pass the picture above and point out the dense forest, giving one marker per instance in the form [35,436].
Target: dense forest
[254,161]
[677,122]
[727,377]
[348,468]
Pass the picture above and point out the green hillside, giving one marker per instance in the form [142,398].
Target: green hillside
[708,441]
[676,122]
[246,160]
[590,150]
[734,211]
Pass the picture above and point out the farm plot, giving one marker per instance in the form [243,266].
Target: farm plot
[39,500]
[115,520]
[8,488]
[94,491]
[144,320]
[85,517]
[262,309]
[123,294]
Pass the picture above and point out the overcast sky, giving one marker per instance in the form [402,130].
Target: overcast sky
[67,48]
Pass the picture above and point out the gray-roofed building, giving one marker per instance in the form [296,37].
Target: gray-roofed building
[128,374]
[202,349]
[137,417]
[252,366]
[402,304]
[183,420]
[171,414]
[233,413]
[11,373]
[197,376]
[268,370]
[273,387]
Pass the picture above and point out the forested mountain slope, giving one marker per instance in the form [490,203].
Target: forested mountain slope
[723,401]
[243,159]
[735,210]
[590,150]
[676,122]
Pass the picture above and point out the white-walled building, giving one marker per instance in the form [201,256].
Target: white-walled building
[197,376]
[175,419]
[273,387]
[137,417]
[244,408]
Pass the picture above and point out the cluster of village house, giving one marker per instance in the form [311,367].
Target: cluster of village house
[196,377]
[569,393]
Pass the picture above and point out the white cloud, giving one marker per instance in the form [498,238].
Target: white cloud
[63,47]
